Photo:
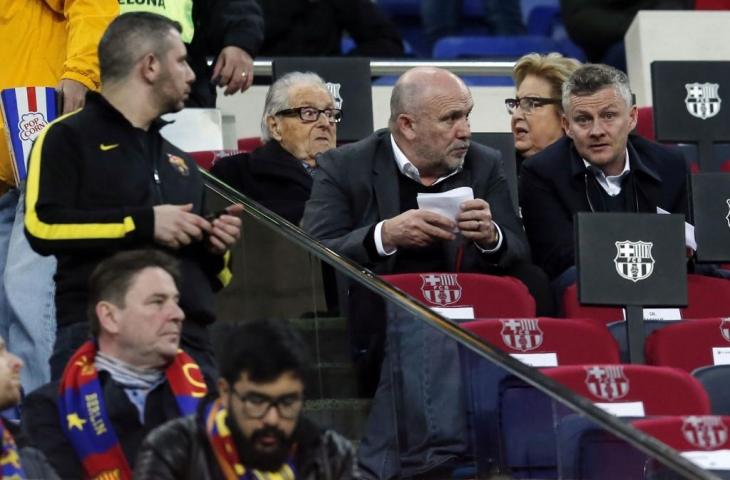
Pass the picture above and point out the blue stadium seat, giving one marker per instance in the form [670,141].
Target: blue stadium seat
[715,380]
[618,330]
[543,19]
[494,48]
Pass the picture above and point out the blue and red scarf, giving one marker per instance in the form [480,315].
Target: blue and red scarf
[10,466]
[84,417]
[226,453]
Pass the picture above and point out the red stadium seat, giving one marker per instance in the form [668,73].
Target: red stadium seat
[573,341]
[688,345]
[708,298]
[688,433]
[645,123]
[490,296]
[206,158]
[249,144]
[712,4]
[656,387]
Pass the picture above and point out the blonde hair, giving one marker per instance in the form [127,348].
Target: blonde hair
[552,67]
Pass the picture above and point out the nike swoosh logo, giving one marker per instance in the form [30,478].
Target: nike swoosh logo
[105,148]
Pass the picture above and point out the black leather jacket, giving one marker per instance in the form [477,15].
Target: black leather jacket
[180,450]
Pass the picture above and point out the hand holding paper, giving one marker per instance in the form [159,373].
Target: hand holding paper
[475,223]
[416,228]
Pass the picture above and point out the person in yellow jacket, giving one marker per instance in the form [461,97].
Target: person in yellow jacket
[48,43]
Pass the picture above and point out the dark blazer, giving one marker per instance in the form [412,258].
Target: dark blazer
[271,176]
[41,422]
[553,189]
[356,186]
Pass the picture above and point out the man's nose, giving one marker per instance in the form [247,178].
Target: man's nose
[272,415]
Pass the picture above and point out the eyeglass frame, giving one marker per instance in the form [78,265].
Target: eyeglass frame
[270,402]
[537,103]
[289,112]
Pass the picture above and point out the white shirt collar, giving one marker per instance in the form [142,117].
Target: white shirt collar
[612,183]
[409,170]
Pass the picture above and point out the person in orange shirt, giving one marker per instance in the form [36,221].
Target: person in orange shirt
[49,43]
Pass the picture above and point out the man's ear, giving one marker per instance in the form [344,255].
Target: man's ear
[407,126]
[633,117]
[564,123]
[223,386]
[274,126]
[108,320]
[150,67]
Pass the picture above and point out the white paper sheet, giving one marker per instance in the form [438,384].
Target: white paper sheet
[455,313]
[622,409]
[714,460]
[445,203]
[721,356]
[537,360]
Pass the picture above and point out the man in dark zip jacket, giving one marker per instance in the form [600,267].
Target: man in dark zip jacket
[103,179]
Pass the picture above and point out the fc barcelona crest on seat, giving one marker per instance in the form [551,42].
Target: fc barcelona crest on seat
[522,334]
[706,432]
[633,260]
[607,383]
[703,100]
[441,288]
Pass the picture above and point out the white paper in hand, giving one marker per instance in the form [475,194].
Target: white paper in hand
[445,203]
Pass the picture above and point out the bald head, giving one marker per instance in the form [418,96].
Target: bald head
[416,88]
[429,119]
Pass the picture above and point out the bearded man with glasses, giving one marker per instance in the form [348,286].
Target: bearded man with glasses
[299,123]
[253,429]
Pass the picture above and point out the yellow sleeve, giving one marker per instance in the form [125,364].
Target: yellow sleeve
[86,21]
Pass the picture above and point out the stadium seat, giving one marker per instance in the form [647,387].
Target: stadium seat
[490,296]
[618,331]
[708,298]
[206,158]
[712,4]
[600,455]
[569,341]
[645,123]
[697,434]
[492,47]
[715,381]
[572,341]
[249,144]
[543,20]
[527,416]
[689,345]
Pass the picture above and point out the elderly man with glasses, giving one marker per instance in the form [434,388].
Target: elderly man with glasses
[254,428]
[299,123]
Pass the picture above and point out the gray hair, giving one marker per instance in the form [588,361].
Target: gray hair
[130,36]
[277,98]
[592,77]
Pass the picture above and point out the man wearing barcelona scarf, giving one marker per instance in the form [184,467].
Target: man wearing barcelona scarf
[253,430]
[129,378]
[18,459]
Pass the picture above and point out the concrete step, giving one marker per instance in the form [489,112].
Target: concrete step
[326,338]
[332,380]
[346,416]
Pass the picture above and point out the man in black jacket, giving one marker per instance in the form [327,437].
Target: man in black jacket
[314,28]
[103,180]
[254,429]
[299,122]
[597,167]
[129,379]
[231,31]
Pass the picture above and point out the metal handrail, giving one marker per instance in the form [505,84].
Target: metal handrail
[546,385]
[262,67]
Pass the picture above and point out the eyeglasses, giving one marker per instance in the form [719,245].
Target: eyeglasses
[311,114]
[256,405]
[528,104]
